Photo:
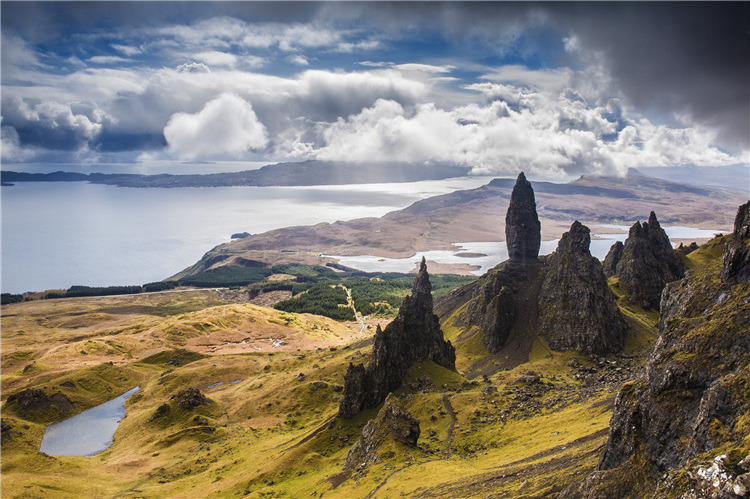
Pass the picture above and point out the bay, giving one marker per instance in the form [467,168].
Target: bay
[59,234]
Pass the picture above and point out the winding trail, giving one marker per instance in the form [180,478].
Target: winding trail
[449,438]
[357,315]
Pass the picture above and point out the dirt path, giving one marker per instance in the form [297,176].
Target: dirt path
[357,315]
[449,438]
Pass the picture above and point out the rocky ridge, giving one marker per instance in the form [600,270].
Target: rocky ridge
[646,263]
[413,336]
[692,397]
[577,310]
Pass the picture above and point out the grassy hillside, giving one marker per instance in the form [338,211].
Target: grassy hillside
[270,429]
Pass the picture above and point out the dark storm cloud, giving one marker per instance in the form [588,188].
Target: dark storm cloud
[689,57]
[683,58]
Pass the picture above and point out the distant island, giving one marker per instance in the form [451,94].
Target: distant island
[309,172]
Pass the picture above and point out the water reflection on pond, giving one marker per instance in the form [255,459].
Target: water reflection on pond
[87,433]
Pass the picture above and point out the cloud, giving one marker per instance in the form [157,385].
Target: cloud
[424,68]
[107,59]
[298,60]
[193,67]
[49,124]
[216,58]
[226,126]
[11,146]
[550,135]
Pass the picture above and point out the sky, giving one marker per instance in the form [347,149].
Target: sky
[554,89]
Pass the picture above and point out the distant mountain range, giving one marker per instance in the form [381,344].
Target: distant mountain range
[280,174]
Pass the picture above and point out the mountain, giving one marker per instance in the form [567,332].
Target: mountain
[309,172]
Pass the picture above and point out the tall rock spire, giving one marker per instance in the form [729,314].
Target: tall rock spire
[413,336]
[522,228]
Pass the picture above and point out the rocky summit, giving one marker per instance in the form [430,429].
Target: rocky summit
[413,336]
[737,251]
[393,426]
[577,310]
[522,227]
[646,263]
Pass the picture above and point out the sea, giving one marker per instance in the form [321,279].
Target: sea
[58,234]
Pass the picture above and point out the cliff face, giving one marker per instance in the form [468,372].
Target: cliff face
[693,396]
[577,310]
[522,227]
[413,336]
[737,251]
[647,263]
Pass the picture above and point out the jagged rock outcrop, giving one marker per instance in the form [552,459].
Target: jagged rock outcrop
[413,336]
[609,265]
[737,251]
[648,263]
[522,227]
[693,395]
[37,400]
[393,426]
[191,398]
[577,310]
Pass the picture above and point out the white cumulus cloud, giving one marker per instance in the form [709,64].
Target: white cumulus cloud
[226,126]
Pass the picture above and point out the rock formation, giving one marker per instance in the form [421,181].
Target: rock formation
[577,310]
[692,397]
[648,263]
[612,259]
[191,398]
[413,336]
[737,250]
[522,227]
[393,426]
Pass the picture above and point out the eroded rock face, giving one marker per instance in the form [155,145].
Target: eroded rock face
[577,310]
[413,336]
[648,263]
[393,424]
[522,227]
[737,251]
[693,390]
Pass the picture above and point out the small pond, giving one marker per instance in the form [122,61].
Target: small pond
[87,433]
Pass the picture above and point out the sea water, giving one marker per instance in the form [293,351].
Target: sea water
[58,234]
[88,432]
